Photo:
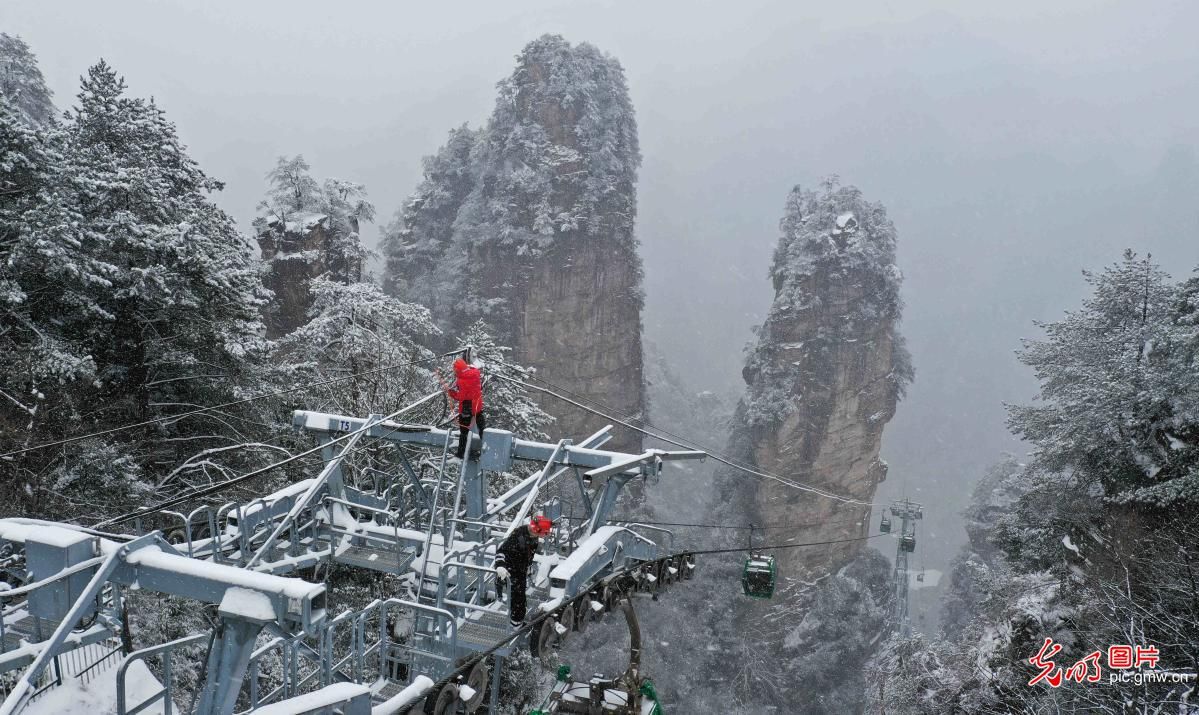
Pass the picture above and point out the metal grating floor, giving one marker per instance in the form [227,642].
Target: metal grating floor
[376,559]
[483,629]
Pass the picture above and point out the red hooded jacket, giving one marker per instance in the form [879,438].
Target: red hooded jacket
[470,386]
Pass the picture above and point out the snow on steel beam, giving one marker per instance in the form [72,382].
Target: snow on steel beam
[649,457]
[574,456]
[158,567]
[610,546]
[153,569]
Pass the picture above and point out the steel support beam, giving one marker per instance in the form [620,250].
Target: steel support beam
[227,662]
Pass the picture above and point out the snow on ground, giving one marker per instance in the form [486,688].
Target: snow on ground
[335,694]
[99,697]
[405,698]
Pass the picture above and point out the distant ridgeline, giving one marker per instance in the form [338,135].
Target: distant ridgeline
[527,224]
[826,371]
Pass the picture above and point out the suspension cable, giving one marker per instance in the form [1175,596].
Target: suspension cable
[714,455]
[757,527]
[212,489]
[201,410]
[470,661]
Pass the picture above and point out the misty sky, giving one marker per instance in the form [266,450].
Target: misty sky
[1013,145]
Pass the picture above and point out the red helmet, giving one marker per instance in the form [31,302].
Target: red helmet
[540,525]
[459,365]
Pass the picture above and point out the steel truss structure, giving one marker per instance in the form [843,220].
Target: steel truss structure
[429,521]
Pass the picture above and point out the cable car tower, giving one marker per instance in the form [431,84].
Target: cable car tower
[429,523]
[908,512]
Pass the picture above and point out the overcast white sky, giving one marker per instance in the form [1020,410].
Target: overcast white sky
[1013,143]
[364,89]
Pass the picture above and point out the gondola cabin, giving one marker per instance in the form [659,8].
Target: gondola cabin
[907,542]
[884,526]
[758,576]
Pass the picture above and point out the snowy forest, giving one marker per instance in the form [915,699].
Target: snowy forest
[950,432]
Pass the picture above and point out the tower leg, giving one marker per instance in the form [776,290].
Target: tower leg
[227,662]
[495,685]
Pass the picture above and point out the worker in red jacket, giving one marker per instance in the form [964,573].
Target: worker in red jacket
[469,394]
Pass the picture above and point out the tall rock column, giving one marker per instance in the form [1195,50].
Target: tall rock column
[307,231]
[294,253]
[542,245]
[827,371]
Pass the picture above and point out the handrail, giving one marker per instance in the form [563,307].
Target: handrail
[70,570]
[541,478]
[473,606]
[356,505]
[480,546]
[23,690]
[445,452]
[289,653]
[629,524]
[480,585]
[484,525]
[449,617]
[310,494]
[267,648]
[165,693]
[535,483]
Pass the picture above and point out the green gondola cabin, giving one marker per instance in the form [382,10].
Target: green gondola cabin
[758,576]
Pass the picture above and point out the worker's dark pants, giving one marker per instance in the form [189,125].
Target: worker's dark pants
[464,420]
[519,604]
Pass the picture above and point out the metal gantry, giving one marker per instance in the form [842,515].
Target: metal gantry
[908,512]
[430,522]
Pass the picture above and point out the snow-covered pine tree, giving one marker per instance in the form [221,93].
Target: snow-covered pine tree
[348,209]
[355,329]
[1118,389]
[993,615]
[22,85]
[48,271]
[1098,532]
[308,229]
[163,300]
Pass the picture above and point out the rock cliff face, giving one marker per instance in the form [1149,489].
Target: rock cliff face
[827,371]
[575,315]
[295,252]
[528,224]
[307,229]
